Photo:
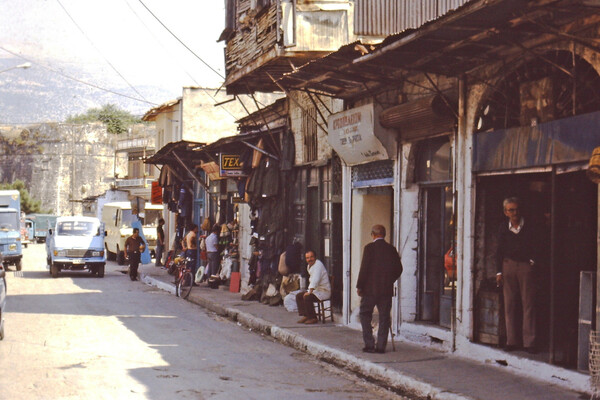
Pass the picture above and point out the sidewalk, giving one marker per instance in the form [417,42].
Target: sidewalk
[410,370]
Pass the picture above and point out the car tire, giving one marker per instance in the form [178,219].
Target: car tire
[54,270]
[110,256]
[18,265]
[100,271]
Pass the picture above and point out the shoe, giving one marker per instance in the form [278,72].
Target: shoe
[380,351]
[531,350]
[311,321]
[368,350]
[302,320]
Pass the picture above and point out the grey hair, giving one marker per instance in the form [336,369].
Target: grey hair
[509,200]
[378,230]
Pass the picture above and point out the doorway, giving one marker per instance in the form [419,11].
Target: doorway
[436,277]
[564,208]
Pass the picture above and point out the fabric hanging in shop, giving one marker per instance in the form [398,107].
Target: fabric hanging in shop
[156,193]
[257,155]
[567,140]
[288,150]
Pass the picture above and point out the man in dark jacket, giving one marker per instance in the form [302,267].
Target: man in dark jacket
[379,269]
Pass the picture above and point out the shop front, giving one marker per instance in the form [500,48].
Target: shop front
[368,152]
[535,134]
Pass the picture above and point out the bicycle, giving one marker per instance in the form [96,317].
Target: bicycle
[184,280]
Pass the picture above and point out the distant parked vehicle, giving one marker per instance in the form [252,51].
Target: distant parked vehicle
[76,244]
[26,232]
[10,228]
[42,222]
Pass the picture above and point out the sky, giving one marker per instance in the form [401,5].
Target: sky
[114,44]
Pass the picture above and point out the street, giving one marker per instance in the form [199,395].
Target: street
[82,337]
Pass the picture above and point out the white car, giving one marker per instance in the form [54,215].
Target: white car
[76,244]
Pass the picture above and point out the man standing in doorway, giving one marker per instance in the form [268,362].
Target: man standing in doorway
[518,252]
[379,269]
[160,243]
[134,246]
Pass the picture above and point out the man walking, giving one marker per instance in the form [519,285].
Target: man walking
[518,254]
[379,269]
[160,243]
[134,245]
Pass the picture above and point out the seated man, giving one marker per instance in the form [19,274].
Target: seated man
[318,289]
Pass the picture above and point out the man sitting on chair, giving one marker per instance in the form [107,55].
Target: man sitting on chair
[319,288]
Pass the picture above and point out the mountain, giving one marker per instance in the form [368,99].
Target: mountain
[38,95]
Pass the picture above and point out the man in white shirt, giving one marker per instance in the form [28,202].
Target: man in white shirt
[212,252]
[319,288]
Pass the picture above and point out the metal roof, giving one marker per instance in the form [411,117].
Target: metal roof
[478,33]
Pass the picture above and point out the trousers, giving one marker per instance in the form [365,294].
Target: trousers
[306,305]
[519,290]
[384,307]
[134,262]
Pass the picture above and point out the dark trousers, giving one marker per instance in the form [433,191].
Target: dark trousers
[193,264]
[213,263]
[519,290]
[384,307]
[306,305]
[158,254]
[134,262]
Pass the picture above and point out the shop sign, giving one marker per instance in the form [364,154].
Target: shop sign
[230,165]
[352,136]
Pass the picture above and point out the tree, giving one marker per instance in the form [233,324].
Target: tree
[29,205]
[116,120]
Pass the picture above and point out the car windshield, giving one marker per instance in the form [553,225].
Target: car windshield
[78,228]
[9,220]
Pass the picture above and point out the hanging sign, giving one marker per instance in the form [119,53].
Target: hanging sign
[352,136]
[230,165]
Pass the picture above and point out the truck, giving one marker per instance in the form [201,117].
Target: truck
[117,218]
[76,244]
[42,222]
[10,228]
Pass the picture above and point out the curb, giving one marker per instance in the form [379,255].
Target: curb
[389,379]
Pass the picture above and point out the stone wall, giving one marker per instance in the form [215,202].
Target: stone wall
[60,163]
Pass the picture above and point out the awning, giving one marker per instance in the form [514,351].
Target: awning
[568,140]
[479,33]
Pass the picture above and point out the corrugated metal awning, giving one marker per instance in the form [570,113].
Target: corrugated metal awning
[479,33]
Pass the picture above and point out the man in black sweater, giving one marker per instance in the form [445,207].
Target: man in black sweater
[516,258]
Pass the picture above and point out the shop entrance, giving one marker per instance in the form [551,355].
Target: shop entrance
[436,278]
[564,209]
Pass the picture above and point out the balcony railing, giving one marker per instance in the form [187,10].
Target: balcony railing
[134,183]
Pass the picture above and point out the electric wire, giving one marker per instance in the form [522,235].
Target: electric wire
[180,41]
[76,79]
[98,50]
[172,56]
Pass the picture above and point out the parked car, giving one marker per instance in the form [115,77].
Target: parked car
[76,244]
[2,297]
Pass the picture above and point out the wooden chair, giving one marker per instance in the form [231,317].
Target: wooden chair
[324,306]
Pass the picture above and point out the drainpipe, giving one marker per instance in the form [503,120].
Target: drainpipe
[346,239]
[459,187]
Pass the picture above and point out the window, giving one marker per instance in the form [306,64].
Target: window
[309,133]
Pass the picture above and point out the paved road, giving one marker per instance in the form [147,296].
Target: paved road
[81,337]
